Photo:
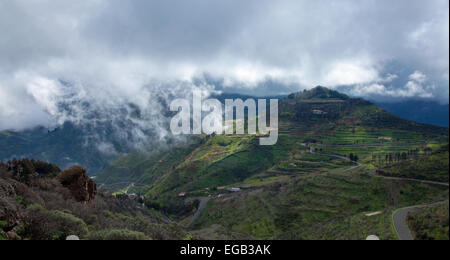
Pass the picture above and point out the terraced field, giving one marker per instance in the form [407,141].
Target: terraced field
[360,135]
[334,203]
[372,153]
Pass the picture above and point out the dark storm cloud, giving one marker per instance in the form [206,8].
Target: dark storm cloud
[117,51]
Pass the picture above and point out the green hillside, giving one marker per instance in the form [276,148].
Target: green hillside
[327,206]
[144,167]
[433,167]
[285,190]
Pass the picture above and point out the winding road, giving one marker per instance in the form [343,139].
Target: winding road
[410,179]
[399,220]
[358,164]
[373,144]
[203,201]
[400,225]
[399,216]
[201,207]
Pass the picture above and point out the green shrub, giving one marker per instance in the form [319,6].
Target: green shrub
[52,225]
[19,199]
[46,169]
[118,234]
[3,224]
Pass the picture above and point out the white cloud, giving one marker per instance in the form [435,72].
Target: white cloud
[368,90]
[389,78]
[418,76]
[46,94]
[416,87]
[114,53]
[350,73]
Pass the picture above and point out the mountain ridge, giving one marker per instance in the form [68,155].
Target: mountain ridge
[66,145]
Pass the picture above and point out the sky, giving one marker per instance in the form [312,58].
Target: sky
[58,54]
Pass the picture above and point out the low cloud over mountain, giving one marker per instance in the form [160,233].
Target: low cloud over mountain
[102,55]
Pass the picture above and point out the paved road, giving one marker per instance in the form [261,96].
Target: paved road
[399,220]
[410,179]
[372,144]
[399,216]
[201,207]
[358,164]
[118,183]
[400,225]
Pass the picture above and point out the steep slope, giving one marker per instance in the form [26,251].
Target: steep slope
[64,146]
[91,136]
[222,160]
[145,166]
[319,116]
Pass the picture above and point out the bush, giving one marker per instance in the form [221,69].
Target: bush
[46,169]
[118,234]
[22,170]
[52,225]
[82,187]
[71,175]
[150,227]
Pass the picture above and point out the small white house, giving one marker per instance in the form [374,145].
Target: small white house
[318,112]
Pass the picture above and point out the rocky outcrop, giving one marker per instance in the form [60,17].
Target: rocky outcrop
[83,188]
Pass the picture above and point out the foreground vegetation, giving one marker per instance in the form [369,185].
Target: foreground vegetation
[41,207]
[430,223]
